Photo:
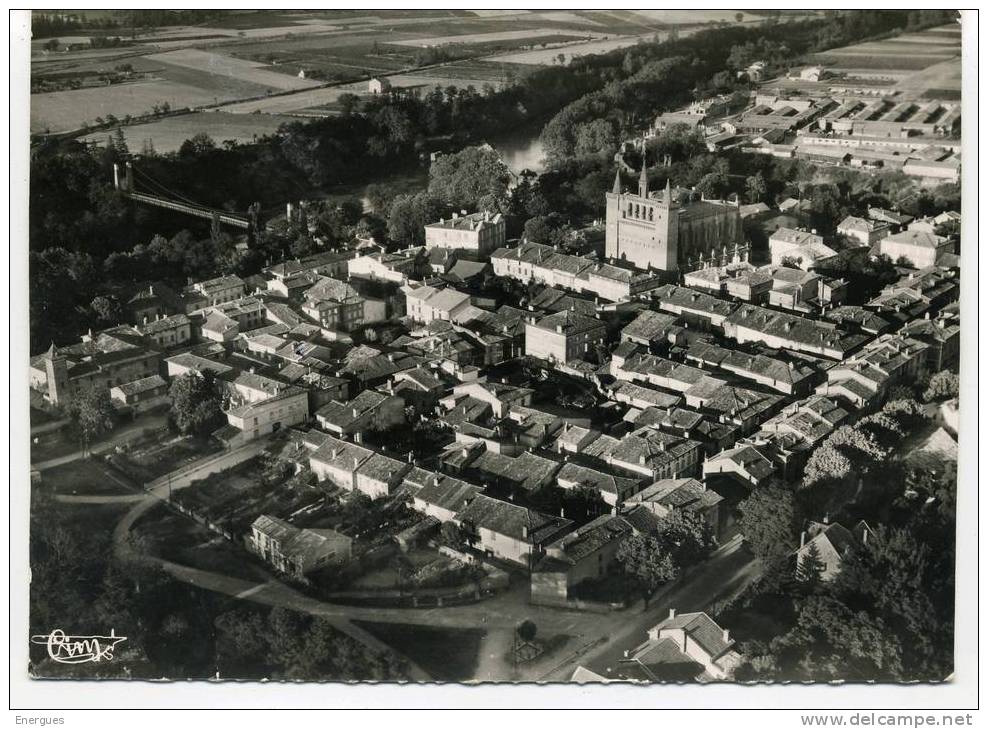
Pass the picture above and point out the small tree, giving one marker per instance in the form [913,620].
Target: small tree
[811,567]
[527,631]
[107,308]
[943,385]
[450,535]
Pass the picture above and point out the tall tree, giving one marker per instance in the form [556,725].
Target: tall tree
[92,411]
[769,522]
[196,403]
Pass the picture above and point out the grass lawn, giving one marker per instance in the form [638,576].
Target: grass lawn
[87,477]
[446,654]
[62,445]
[167,135]
[177,538]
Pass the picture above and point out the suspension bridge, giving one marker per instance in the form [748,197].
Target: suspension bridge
[158,195]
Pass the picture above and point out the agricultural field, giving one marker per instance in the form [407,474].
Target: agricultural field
[254,59]
[229,67]
[482,38]
[905,53]
[167,135]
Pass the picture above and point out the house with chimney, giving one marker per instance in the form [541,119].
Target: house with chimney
[370,410]
[564,336]
[354,468]
[586,553]
[480,233]
[167,332]
[335,304]
[684,646]
[439,495]
[669,495]
[509,532]
[743,464]
[823,547]
[297,552]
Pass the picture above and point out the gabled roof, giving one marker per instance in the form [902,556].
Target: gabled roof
[511,520]
[570,322]
[650,325]
[589,539]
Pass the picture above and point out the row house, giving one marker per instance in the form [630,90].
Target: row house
[780,330]
[864,379]
[696,308]
[790,377]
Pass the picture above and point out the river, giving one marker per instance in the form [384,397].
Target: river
[521,150]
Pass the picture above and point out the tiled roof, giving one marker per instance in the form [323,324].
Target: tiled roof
[650,325]
[514,521]
[806,332]
[590,538]
[573,473]
[447,492]
[692,300]
[571,323]
[142,385]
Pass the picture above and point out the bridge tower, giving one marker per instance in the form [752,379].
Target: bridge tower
[123,183]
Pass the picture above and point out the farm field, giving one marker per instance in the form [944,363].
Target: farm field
[61,111]
[229,67]
[251,56]
[480,38]
[926,64]
[907,52]
[167,135]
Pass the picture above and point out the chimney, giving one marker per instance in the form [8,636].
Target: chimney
[672,613]
[802,539]
[727,636]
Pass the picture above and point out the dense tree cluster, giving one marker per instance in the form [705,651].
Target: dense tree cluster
[680,540]
[196,403]
[286,645]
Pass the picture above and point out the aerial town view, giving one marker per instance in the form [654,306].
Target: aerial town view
[495,346]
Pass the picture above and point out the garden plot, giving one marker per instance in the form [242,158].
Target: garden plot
[236,68]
